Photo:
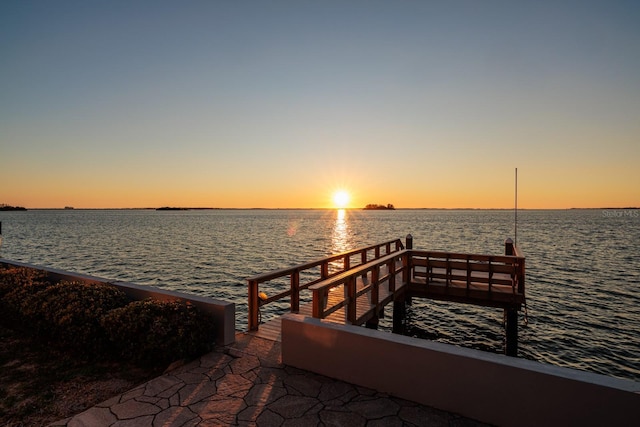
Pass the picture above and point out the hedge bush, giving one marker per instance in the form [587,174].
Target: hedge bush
[98,321]
[159,331]
[16,285]
[12,277]
[68,314]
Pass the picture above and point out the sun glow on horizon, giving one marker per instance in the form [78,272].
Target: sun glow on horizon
[341,199]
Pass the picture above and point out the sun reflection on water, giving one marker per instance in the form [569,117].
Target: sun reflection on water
[340,235]
[340,238]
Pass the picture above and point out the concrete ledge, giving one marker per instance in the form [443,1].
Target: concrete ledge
[488,387]
[223,312]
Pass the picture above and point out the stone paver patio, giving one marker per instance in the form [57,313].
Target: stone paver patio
[246,384]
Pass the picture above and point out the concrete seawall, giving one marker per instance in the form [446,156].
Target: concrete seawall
[223,312]
[488,387]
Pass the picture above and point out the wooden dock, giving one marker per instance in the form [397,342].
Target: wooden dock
[271,329]
[370,278]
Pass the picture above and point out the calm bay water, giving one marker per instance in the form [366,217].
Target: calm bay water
[583,268]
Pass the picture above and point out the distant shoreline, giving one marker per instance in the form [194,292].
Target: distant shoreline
[320,209]
[7,208]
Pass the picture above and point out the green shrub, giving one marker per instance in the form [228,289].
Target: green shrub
[12,277]
[16,285]
[98,321]
[159,332]
[68,314]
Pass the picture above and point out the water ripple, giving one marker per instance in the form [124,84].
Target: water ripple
[583,268]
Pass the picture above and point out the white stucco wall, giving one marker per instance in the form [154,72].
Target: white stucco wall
[488,387]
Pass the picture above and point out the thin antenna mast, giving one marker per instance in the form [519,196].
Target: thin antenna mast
[516,211]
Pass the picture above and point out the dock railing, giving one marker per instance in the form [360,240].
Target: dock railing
[318,271]
[469,277]
[469,269]
[490,280]
[348,280]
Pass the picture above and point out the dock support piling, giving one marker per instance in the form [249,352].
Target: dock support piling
[373,322]
[511,348]
[399,315]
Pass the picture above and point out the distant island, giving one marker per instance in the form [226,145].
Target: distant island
[172,208]
[379,207]
[4,207]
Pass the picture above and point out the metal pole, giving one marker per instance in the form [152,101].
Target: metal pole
[516,211]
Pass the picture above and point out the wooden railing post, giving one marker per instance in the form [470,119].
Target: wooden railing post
[363,260]
[318,303]
[295,291]
[391,267]
[406,267]
[253,305]
[324,270]
[508,247]
[375,282]
[511,249]
[351,307]
[448,272]
[521,272]
[490,273]
[409,242]
[468,274]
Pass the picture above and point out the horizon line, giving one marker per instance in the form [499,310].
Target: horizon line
[330,208]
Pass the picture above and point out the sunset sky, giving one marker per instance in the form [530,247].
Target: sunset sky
[277,104]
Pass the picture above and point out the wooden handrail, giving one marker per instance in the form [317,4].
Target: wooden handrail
[490,270]
[348,279]
[450,267]
[255,302]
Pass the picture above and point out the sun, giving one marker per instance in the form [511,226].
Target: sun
[341,199]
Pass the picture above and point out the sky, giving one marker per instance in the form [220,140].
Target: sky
[278,104]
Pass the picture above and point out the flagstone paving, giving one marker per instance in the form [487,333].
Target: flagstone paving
[246,384]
